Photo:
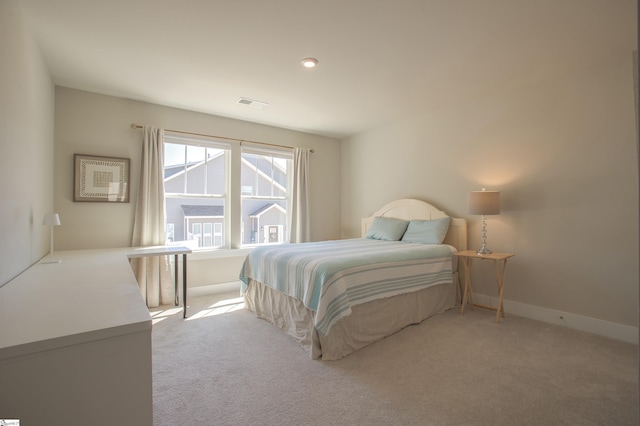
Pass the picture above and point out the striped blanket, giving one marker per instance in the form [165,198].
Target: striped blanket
[330,277]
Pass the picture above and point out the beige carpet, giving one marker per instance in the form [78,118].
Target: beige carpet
[226,367]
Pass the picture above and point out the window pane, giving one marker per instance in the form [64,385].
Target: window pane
[174,155]
[170,232]
[196,234]
[259,216]
[266,175]
[194,219]
[194,169]
[207,237]
[265,197]
[195,188]
[215,171]
[195,175]
[217,234]
[196,185]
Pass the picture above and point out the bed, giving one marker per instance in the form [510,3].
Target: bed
[335,297]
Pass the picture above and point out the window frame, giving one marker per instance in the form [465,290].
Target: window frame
[224,196]
[286,155]
[232,226]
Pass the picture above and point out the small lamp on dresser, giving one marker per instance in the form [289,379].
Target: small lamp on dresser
[51,220]
[484,203]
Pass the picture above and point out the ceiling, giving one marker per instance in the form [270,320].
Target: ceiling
[379,60]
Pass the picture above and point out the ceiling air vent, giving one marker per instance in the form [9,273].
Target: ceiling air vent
[252,103]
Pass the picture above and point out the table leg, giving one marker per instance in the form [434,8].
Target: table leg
[469,281]
[184,284]
[175,281]
[500,281]
[467,284]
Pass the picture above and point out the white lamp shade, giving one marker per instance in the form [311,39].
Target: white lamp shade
[51,219]
[483,202]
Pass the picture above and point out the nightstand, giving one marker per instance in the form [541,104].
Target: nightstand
[467,257]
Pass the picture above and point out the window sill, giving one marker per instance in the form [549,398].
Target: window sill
[218,253]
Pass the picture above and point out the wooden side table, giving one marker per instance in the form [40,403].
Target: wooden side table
[467,257]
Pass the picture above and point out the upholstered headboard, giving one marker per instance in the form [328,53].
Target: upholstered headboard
[409,209]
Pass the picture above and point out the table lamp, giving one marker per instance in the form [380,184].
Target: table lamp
[485,203]
[51,220]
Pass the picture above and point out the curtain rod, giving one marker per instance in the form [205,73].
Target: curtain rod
[137,126]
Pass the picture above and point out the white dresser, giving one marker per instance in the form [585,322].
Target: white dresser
[75,343]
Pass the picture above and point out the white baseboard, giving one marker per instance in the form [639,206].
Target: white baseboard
[610,329]
[205,290]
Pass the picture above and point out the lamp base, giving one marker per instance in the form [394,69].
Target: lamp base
[483,250]
[47,262]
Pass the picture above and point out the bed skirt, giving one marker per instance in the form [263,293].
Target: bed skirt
[368,322]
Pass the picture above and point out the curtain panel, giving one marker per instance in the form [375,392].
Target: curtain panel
[299,229]
[153,273]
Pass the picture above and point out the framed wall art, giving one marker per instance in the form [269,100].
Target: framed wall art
[100,179]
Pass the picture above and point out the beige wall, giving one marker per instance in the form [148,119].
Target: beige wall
[26,145]
[562,151]
[88,123]
[563,154]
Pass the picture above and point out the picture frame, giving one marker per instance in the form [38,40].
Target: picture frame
[100,179]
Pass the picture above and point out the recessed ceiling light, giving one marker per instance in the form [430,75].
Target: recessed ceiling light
[309,62]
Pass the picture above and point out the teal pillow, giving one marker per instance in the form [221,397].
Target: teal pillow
[427,231]
[387,228]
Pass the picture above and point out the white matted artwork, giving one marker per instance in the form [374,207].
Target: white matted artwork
[100,179]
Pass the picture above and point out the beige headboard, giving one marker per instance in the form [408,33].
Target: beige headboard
[409,209]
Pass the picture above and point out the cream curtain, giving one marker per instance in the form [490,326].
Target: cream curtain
[153,273]
[300,224]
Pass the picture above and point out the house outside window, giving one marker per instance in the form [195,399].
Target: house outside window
[170,232]
[202,219]
[266,208]
[199,185]
[273,233]
[196,234]
[217,234]
[195,184]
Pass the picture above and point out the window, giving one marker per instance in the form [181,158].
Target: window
[207,235]
[217,234]
[196,233]
[265,210]
[195,184]
[169,231]
[273,233]
[203,177]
